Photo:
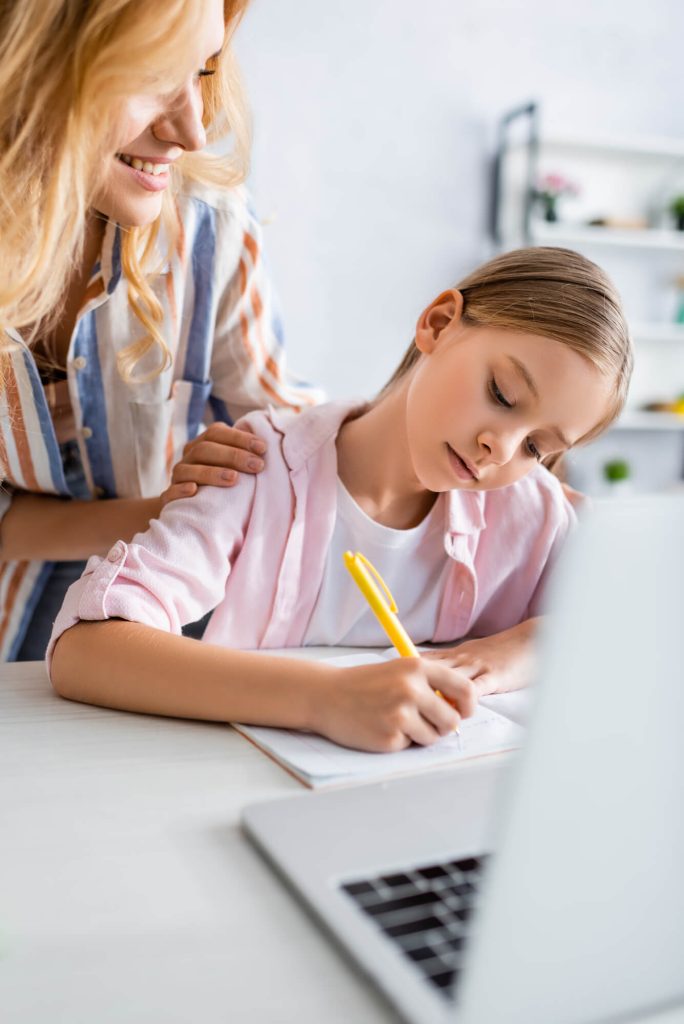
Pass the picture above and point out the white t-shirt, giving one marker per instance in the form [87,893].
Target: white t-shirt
[411,562]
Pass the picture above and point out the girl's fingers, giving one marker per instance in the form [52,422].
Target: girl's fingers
[439,713]
[420,730]
[455,685]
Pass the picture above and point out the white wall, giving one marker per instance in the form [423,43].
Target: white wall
[374,126]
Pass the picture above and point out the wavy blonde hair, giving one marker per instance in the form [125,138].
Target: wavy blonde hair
[553,293]
[56,56]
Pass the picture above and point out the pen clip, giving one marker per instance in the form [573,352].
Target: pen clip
[374,572]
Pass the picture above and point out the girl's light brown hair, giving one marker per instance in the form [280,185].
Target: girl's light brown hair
[65,66]
[553,293]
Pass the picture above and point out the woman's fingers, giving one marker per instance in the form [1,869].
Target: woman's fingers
[215,453]
[224,436]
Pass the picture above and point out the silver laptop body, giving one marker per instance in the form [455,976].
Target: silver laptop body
[578,914]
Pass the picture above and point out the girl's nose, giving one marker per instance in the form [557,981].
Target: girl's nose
[181,123]
[498,447]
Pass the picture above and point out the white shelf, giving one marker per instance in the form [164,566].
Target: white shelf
[656,148]
[551,233]
[649,421]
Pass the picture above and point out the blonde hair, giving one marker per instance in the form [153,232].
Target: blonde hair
[56,56]
[553,293]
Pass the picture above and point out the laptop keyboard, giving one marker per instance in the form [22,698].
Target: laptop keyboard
[426,911]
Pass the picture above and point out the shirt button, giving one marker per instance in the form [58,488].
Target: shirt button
[80,362]
[115,554]
[86,433]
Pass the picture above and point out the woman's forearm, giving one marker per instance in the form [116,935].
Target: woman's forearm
[136,668]
[39,526]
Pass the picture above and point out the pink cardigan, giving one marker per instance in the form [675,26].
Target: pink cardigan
[256,552]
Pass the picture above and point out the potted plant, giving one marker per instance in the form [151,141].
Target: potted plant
[549,189]
[677,210]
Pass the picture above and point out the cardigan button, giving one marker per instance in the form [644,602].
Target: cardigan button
[116,554]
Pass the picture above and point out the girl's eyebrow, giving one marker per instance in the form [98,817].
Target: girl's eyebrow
[527,377]
[525,374]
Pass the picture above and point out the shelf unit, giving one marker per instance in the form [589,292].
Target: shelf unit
[623,181]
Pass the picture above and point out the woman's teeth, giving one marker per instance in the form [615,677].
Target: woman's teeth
[143,165]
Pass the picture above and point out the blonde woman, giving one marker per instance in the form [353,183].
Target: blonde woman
[134,306]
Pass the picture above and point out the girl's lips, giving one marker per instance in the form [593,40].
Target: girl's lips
[460,467]
[150,182]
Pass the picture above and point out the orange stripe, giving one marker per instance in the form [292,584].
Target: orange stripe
[244,327]
[12,590]
[19,433]
[251,246]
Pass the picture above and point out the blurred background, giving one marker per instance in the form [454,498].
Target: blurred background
[378,124]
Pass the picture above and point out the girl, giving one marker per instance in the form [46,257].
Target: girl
[442,482]
[133,300]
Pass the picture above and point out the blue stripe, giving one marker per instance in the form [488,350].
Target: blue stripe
[94,405]
[47,429]
[200,336]
[220,410]
[116,262]
[29,608]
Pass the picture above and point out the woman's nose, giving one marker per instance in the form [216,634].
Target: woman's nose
[181,124]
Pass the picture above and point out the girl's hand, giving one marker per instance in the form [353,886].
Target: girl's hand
[498,663]
[387,706]
[215,457]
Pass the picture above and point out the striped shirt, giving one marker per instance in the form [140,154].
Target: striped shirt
[227,359]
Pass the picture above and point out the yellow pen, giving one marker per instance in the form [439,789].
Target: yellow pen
[362,572]
[384,607]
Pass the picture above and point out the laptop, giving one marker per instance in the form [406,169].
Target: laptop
[546,888]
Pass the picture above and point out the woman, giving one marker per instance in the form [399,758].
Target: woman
[133,297]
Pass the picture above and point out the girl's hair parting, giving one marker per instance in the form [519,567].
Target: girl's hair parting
[554,293]
[65,66]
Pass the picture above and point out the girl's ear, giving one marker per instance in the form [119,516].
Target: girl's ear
[446,309]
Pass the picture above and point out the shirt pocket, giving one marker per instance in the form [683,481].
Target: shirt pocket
[162,427]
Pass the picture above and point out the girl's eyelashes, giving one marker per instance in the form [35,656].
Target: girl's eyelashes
[498,395]
[206,72]
[532,450]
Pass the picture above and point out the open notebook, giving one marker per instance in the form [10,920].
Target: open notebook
[496,726]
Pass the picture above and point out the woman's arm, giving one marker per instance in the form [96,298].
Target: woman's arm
[39,526]
[384,706]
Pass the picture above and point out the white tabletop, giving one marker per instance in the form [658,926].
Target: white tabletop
[127,891]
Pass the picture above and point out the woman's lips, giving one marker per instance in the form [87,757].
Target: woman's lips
[460,466]
[150,182]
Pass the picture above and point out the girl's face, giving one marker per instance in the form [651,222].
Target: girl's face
[484,405]
[154,130]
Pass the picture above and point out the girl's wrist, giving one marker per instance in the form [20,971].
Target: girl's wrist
[317,692]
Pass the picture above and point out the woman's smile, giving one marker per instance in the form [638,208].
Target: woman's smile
[150,172]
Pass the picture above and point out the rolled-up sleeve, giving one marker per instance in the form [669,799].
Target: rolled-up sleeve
[172,574]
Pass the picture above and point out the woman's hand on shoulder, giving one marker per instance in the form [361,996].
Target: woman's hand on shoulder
[217,457]
[386,706]
[498,663]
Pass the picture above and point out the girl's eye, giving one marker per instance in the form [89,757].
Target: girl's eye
[206,72]
[533,450]
[497,395]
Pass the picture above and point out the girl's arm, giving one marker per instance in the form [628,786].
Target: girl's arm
[381,707]
[498,663]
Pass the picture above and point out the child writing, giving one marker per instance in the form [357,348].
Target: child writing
[442,482]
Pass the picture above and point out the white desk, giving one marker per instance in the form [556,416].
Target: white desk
[127,891]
